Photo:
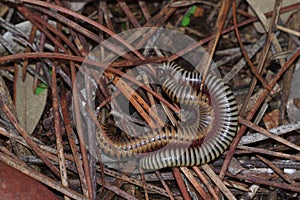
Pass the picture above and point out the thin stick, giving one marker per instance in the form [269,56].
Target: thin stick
[268,134]
[218,31]
[163,182]
[247,58]
[195,183]
[88,62]
[72,144]
[277,170]
[218,181]
[57,125]
[272,183]
[252,113]
[27,138]
[181,184]
[289,31]
[80,134]
[268,152]
[206,183]
[91,22]
[270,37]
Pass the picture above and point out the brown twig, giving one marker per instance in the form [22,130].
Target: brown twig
[253,111]
[268,152]
[145,10]
[207,39]
[89,62]
[206,183]
[263,181]
[80,132]
[181,184]
[91,22]
[27,138]
[217,181]
[106,13]
[123,5]
[265,51]
[29,16]
[268,134]
[216,36]
[163,182]
[136,181]
[287,78]
[247,58]
[195,183]
[58,131]
[72,143]
[117,190]
[140,105]
[277,170]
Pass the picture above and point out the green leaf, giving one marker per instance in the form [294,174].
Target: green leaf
[42,87]
[123,26]
[186,19]
[192,10]
[39,89]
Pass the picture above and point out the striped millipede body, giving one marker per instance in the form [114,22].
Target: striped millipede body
[197,143]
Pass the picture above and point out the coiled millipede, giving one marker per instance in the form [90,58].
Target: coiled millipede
[199,142]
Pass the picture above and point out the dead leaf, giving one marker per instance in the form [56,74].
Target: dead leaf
[268,5]
[3,9]
[271,120]
[292,107]
[29,106]
[198,12]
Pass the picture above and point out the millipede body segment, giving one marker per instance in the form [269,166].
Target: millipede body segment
[214,124]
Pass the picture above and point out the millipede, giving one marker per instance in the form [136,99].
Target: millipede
[201,140]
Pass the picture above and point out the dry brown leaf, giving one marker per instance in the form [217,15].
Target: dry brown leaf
[29,106]
[271,120]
